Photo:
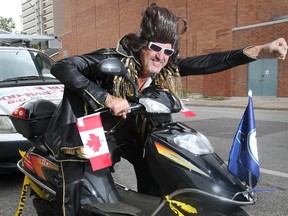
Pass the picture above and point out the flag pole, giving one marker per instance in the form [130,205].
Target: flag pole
[250,180]
[249,173]
[250,93]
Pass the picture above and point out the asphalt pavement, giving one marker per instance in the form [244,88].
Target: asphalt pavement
[259,102]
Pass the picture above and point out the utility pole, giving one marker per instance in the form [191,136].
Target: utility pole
[37,9]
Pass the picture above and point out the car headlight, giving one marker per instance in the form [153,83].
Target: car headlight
[195,143]
[6,125]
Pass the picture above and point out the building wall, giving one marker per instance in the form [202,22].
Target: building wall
[100,23]
[260,35]
[210,24]
[259,11]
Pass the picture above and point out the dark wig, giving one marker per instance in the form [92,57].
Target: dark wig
[158,24]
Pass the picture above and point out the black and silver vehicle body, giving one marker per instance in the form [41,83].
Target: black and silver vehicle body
[192,178]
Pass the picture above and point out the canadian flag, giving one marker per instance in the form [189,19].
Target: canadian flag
[186,112]
[93,138]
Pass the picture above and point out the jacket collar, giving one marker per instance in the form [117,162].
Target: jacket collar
[126,52]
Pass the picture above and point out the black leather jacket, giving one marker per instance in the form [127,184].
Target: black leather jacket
[86,89]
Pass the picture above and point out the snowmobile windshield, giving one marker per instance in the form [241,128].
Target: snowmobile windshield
[158,100]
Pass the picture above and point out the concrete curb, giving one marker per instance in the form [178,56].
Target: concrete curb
[265,103]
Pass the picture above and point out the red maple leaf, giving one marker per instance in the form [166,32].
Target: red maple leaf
[94,142]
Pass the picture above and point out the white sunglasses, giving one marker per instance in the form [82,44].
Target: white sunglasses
[156,48]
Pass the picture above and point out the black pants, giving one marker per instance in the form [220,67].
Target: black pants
[68,193]
[129,140]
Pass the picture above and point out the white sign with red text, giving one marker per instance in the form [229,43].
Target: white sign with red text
[12,97]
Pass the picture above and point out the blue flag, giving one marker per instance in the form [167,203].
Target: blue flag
[243,159]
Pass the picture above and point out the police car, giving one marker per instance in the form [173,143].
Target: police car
[24,75]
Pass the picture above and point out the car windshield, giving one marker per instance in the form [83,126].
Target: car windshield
[20,63]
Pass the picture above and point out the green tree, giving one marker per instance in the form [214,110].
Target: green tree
[7,24]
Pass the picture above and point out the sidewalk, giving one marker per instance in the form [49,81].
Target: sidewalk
[269,103]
